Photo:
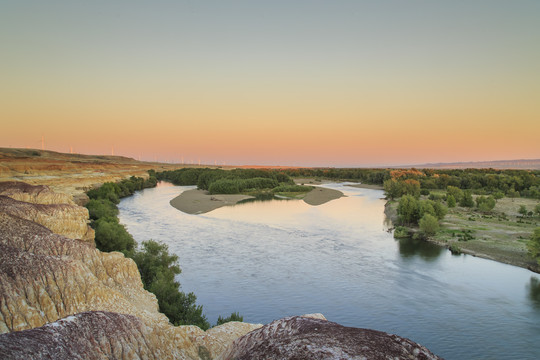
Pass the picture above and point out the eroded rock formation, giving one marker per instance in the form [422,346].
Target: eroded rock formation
[45,277]
[314,338]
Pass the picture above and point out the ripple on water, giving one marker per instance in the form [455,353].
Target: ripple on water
[270,260]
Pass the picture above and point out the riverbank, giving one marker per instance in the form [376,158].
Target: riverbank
[198,201]
[501,235]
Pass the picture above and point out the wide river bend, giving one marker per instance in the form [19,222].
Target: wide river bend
[278,258]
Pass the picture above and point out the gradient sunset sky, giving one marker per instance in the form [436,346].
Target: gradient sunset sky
[309,83]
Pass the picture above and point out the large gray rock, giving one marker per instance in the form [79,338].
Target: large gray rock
[311,338]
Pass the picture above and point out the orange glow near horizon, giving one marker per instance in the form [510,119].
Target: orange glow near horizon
[238,90]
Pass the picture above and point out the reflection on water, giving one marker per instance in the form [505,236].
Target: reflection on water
[534,291]
[416,247]
[272,259]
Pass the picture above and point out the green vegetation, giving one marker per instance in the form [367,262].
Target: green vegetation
[429,225]
[485,204]
[534,245]
[233,317]
[157,267]
[246,181]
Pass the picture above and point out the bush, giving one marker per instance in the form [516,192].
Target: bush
[158,269]
[224,186]
[100,208]
[451,201]
[408,209]
[485,204]
[454,249]
[401,232]
[466,200]
[429,225]
[112,236]
[233,317]
[424,192]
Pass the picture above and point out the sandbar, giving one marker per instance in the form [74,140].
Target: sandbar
[321,195]
[199,201]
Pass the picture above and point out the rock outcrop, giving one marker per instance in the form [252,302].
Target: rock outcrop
[107,335]
[35,194]
[63,219]
[314,338]
[45,277]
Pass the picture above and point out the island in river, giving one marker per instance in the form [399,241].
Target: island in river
[197,201]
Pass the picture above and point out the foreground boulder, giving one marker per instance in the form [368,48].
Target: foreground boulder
[315,338]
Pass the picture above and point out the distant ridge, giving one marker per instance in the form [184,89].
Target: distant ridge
[522,164]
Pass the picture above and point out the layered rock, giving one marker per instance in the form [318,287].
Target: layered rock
[45,277]
[106,335]
[35,194]
[64,219]
[315,338]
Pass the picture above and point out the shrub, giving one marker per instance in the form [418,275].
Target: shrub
[158,269]
[401,232]
[233,317]
[408,209]
[466,200]
[429,225]
[100,208]
[451,201]
[224,186]
[454,249]
[112,236]
[485,204]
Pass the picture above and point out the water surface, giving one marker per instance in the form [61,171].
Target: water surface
[272,259]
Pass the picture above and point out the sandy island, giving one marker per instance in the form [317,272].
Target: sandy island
[199,201]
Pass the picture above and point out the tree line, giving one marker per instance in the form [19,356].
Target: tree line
[219,181]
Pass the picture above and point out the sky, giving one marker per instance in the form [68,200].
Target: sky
[294,83]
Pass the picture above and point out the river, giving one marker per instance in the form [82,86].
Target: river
[272,259]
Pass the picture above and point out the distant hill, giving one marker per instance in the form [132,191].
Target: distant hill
[523,164]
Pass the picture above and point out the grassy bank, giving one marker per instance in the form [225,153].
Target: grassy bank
[500,234]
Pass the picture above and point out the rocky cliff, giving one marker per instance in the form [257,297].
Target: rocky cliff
[45,277]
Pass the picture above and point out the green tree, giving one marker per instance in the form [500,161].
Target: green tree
[100,208]
[440,210]
[537,209]
[451,201]
[466,200]
[456,192]
[408,209]
[411,187]
[233,317]
[498,195]
[485,204]
[158,269]
[512,193]
[429,225]
[393,188]
[522,210]
[534,245]
[112,236]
